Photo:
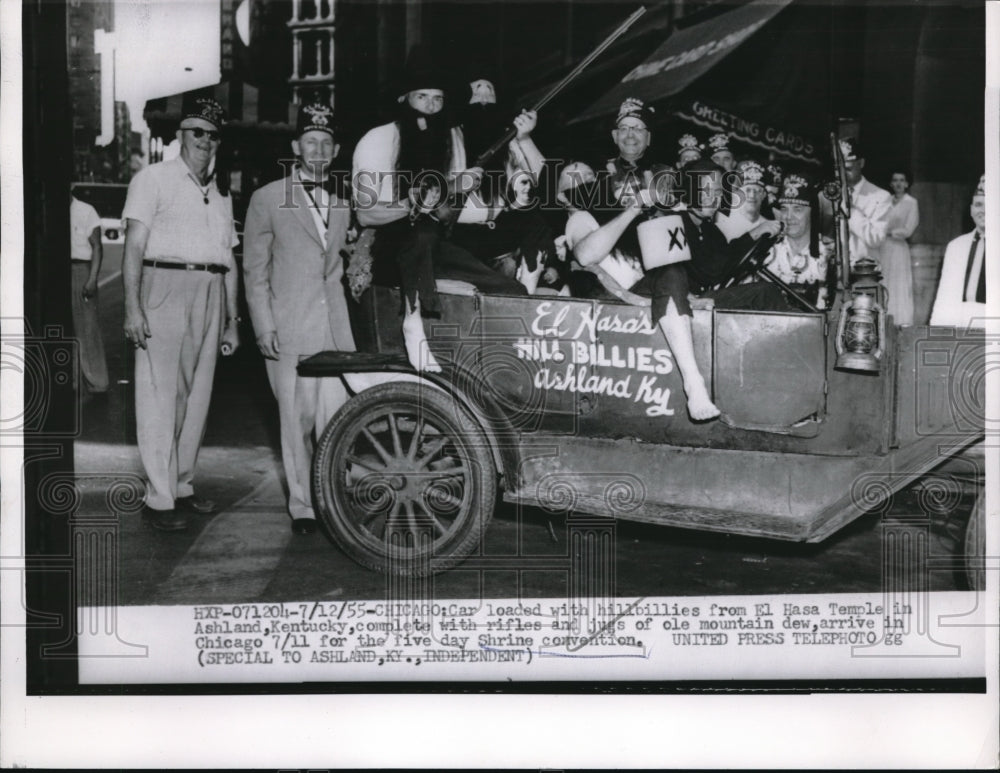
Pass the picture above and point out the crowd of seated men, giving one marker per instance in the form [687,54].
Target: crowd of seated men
[447,215]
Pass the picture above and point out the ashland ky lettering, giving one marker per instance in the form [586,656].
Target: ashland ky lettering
[569,350]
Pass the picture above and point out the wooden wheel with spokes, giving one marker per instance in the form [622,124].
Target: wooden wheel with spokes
[404,480]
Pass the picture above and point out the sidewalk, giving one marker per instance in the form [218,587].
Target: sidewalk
[229,556]
[246,551]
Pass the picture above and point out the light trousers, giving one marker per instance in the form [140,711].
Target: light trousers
[86,328]
[173,376]
[305,406]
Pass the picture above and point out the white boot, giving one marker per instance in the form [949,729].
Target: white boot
[417,349]
[677,329]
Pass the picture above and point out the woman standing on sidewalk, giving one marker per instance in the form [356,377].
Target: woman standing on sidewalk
[903,219]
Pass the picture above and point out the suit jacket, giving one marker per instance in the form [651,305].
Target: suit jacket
[293,284]
[869,219]
[950,306]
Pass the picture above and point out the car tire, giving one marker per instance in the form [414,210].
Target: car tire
[974,544]
[404,480]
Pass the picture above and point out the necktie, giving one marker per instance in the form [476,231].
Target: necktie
[981,287]
[316,191]
[977,291]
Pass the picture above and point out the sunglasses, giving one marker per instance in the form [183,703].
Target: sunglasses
[198,133]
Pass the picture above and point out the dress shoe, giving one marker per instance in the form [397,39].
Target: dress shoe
[304,526]
[196,505]
[166,520]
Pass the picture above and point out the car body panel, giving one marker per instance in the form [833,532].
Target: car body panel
[585,410]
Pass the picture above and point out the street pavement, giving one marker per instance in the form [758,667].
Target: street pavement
[246,552]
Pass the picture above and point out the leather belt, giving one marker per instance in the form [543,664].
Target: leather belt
[212,268]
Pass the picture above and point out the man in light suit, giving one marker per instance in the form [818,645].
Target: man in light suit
[292,269]
[869,205]
[961,293]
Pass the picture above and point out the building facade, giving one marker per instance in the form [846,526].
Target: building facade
[100,152]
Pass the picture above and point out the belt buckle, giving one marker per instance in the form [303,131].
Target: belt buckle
[189,267]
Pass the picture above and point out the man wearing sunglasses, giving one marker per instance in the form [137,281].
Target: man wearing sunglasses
[180,308]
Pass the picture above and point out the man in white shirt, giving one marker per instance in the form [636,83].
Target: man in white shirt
[180,308]
[85,256]
[869,205]
[961,293]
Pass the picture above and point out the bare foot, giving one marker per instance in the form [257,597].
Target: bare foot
[699,404]
[417,350]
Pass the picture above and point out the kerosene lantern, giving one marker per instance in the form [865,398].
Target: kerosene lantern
[861,330]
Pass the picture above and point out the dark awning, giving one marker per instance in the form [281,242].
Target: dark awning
[239,99]
[624,54]
[687,55]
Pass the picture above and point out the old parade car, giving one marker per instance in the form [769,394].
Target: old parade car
[575,405]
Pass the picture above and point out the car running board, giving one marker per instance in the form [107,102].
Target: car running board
[335,363]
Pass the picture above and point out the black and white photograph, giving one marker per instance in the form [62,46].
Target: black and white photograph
[621,370]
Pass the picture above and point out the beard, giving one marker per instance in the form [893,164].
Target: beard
[422,150]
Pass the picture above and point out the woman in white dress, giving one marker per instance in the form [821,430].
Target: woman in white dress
[903,218]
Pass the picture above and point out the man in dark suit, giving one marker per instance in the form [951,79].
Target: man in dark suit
[292,268]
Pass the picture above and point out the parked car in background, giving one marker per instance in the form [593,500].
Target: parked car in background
[109,201]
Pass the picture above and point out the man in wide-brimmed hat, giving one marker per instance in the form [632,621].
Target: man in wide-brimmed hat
[401,172]
[180,307]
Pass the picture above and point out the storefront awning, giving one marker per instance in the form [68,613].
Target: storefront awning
[686,56]
[239,99]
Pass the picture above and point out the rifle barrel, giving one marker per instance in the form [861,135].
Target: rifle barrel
[586,62]
[841,215]
[551,94]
